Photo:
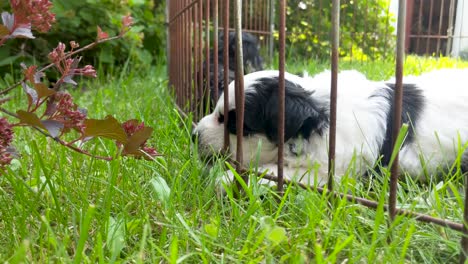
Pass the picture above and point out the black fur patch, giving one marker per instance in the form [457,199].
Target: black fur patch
[251,53]
[303,114]
[464,162]
[413,104]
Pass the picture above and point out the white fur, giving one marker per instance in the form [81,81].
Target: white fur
[361,125]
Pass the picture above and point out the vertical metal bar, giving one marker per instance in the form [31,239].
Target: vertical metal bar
[450,28]
[353,31]
[366,32]
[246,14]
[188,76]
[206,93]
[418,38]
[281,94]
[251,15]
[334,89]
[168,41]
[429,33]
[409,21]
[195,62]
[215,49]
[200,57]
[226,74]
[442,5]
[177,54]
[464,239]
[239,83]
[184,58]
[387,24]
[192,100]
[272,30]
[398,102]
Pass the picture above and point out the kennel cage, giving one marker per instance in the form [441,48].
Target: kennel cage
[191,25]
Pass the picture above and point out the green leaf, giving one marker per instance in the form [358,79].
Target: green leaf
[161,189]
[212,229]
[107,128]
[277,235]
[115,237]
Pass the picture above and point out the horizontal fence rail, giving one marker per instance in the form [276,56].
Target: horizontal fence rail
[194,28]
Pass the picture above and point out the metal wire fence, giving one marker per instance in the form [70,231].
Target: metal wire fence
[193,27]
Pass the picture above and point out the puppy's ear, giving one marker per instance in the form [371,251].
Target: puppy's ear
[304,115]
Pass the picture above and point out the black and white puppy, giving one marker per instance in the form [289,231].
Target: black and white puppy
[435,106]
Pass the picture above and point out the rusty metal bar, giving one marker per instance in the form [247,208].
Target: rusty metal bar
[239,84]
[398,103]
[442,5]
[428,40]
[464,239]
[194,2]
[429,36]
[281,92]
[185,78]
[226,74]
[450,28]
[195,62]
[215,49]
[190,61]
[200,59]
[387,23]
[335,42]
[272,29]
[168,41]
[206,94]
[177,55]
[252,31]
[353,32]
[365,35]
[370,204]
[418,39]
[409,17]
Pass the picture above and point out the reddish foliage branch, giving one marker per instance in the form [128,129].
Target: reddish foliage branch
[52,112]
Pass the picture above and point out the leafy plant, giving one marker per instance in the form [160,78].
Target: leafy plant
[52,111]
[365,29]
[143,45]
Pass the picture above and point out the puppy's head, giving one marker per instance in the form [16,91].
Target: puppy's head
[304,116]
[251,51]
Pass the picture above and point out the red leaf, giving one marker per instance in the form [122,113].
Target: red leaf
[101,34]
[136,141]
[32,94]
[54,127]
[42,90]
[29,119]
[107,128]
[4,31]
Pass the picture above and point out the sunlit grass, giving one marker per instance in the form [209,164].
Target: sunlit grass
[59,206]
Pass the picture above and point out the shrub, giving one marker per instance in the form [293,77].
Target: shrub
[365,29]
[50,110]
[78,19]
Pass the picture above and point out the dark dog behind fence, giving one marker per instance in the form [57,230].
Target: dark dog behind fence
[186,25]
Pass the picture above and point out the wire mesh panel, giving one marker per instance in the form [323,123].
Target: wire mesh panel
[430,26]
[192,62]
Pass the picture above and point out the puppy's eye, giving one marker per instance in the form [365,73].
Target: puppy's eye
[221,118]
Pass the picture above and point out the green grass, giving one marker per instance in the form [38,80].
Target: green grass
[59,206]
